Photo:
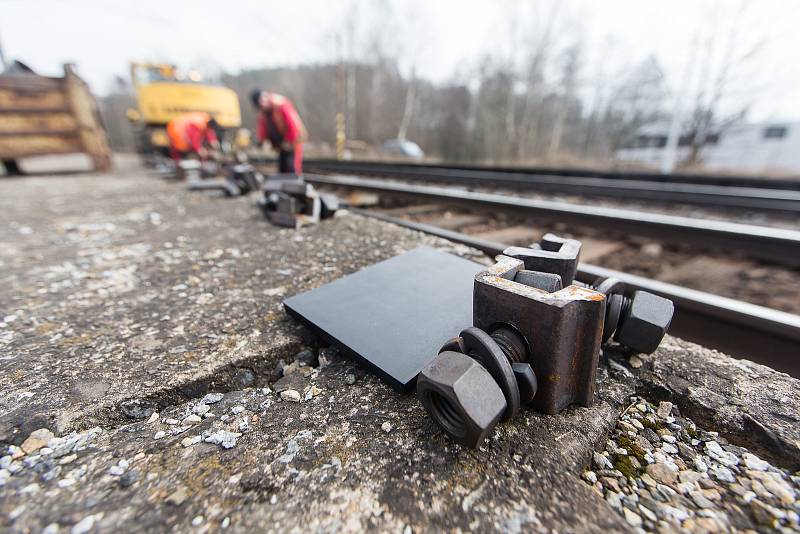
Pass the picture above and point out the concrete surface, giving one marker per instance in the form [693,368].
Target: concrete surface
[125,299]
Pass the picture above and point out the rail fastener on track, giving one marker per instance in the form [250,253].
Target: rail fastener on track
[740,329]
[776,245]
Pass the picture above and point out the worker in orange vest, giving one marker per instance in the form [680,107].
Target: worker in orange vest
[192,134]
[279,123]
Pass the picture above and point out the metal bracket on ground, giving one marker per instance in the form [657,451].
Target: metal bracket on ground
[290,201]
[552,254]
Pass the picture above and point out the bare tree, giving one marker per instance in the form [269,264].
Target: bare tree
[566,91]
[719,100]
[541,51]
[636,100]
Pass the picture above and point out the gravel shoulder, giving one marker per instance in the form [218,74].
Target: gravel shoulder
[661,472]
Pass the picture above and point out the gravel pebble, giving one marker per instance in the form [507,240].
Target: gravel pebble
[129,478]
[601,462]
[211,398]
[700,499]
[201,409]
[669,449]
[633,518]
[191,419]
[84,525]
[751,461]
[662,473]
[291,395]
[37,439]
[664,409]
[224,438]
[722,473]
[613,499]
[191,440]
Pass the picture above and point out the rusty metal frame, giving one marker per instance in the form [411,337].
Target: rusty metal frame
[563,330]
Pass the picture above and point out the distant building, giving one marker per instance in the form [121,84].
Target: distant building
[743,147]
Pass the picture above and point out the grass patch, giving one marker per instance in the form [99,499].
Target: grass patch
[632,447]
[624,465]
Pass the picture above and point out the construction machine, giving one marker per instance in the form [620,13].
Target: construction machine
[163,94]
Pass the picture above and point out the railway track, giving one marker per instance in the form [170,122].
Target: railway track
[741,329]
[775,245]
[738,328]
[789,183]
[752,194]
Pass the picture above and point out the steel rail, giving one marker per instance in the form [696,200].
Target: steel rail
[737,328]
[766,182]
[703,194]
[773,244]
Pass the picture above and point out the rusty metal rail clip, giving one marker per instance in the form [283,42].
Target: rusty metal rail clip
[533,342]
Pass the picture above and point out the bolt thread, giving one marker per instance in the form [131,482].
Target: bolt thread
[626,303]
[511,343]
[443,411]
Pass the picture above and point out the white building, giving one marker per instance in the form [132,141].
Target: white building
[743,147]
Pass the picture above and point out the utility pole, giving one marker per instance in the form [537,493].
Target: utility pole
[408,109]
[350,95]
[341,127]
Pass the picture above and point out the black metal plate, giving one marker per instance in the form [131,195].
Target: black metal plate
[395,315]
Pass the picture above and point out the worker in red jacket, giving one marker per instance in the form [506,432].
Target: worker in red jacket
[192,134]
[279,123]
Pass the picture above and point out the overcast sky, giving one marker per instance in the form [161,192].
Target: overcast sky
[441,38]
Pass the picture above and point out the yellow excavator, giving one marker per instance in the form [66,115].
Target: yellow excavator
[162,94]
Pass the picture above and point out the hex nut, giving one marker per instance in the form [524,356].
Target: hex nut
[645,321]
[330,205]
[461,397]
